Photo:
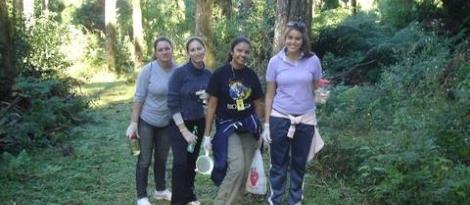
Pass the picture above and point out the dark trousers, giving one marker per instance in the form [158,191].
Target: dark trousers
[288,156]
[151,137]
[184,163]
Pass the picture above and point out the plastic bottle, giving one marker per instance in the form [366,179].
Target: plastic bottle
[134,144]
[191,146]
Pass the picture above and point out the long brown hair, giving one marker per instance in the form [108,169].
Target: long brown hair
[300,27]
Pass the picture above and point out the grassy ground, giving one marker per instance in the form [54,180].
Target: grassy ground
[95,165]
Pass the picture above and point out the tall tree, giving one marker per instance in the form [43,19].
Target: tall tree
[28,12]
[290,10]
[45,7]
[354,6]
[18,5]
[7,70]
[110,32]
[138,34]
[203,28]
[226,6]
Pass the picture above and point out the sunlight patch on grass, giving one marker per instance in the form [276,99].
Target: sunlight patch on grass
[106,88]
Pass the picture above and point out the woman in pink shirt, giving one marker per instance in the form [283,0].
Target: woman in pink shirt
[291,77]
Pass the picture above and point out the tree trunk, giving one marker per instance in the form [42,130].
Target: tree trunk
[309,17]
[226,6]
[354,6]
[203,29]
[290,10]
[18,4]
[7,71]
[138,34]
[301,10]
[110,32]
[280,24]
[28,12]
[45,7]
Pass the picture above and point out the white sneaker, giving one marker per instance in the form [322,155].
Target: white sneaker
[143,201]
[194,203]
[165,194]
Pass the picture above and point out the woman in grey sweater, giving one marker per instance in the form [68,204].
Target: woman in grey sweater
[150,118]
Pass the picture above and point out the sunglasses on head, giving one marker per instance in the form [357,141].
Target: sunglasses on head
[296,24]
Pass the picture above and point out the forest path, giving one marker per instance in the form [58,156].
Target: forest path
[94,166]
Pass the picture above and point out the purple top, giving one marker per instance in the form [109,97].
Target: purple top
[294,83]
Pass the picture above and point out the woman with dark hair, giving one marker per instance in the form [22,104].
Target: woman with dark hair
[291,76]
[235,103]
[149,120]
[186,98]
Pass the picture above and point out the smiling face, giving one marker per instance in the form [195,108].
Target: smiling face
[164,51]
[240,54]
[196,52]
[294,41]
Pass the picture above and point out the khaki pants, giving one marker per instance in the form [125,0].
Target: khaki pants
[241,149]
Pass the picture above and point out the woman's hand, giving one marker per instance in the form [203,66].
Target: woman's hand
[188,136]
[206,143]
[132,130]
[266,135]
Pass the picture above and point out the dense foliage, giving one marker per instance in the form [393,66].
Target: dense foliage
[400,135]
[44,104]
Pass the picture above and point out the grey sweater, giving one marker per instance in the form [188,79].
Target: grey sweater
[151,89]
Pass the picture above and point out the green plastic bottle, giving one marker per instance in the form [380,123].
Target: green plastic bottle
[191,146]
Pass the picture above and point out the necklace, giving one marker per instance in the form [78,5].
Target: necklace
[233,71]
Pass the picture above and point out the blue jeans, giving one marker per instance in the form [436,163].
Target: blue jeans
[288,156]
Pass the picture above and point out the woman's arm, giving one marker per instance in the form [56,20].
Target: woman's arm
[139,98]
[136,109]
[211,107]
[174,99]
[258,108]
[268,100]
[141,87]
[316,84]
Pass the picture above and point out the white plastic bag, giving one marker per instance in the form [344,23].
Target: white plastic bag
[257,182]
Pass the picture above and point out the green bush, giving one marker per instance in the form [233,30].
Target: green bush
[38,47]
[398,13]
[357,50]
[49,107]
[44,104]
[90,15]
[405,140]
